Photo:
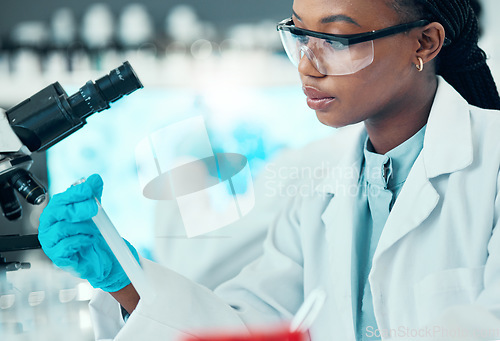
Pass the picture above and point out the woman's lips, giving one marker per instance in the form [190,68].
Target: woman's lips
[316,99]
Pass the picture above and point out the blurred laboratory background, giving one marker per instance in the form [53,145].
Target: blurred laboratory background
[221,59]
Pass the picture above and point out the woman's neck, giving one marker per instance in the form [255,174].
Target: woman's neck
[391,130]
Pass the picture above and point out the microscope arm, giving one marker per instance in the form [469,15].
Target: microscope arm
[9,142]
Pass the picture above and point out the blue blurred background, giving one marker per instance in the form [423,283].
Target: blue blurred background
[219,59]
[254,121]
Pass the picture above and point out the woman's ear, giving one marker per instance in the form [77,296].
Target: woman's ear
[430,41]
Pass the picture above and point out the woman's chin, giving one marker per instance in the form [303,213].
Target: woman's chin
[333,120]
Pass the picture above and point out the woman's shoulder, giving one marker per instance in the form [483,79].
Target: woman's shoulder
[493,114]
[485,129]
[487,120]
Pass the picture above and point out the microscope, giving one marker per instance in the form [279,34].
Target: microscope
[36,124]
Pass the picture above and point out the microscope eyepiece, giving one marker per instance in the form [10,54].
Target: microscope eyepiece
[50,115]
[120,81]
[95,97]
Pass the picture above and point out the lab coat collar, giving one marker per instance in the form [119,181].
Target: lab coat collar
[346,171]
[339,218]
[448,138]
[448,131]
[447,148]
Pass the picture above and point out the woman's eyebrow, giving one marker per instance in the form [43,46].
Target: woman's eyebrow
[339,17]
[296,15]
[332,18]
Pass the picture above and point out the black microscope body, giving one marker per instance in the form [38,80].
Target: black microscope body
[36,124]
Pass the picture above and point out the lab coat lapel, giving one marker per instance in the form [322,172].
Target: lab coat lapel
[417,200]
[339,219]
[447,148]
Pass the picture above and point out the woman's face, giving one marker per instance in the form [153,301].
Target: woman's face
[374,94]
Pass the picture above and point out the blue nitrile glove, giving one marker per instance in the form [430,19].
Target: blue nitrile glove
[72,241]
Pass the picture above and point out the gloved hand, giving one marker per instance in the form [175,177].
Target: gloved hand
[72,241]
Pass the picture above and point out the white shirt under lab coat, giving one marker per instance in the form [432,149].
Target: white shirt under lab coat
[439,249]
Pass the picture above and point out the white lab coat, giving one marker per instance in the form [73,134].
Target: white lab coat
[291,171]
[440,247]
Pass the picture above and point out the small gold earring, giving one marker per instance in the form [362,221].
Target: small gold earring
[420,67]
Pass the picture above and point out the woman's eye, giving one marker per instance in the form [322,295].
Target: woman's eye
[336,45]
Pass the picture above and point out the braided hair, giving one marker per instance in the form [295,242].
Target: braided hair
[462,63]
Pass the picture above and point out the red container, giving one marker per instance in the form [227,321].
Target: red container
[268,335]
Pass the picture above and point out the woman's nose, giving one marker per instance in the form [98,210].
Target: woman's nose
[307,65]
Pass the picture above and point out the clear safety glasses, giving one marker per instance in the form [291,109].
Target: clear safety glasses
[334,54]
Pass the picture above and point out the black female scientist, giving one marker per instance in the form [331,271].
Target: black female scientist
[403,228]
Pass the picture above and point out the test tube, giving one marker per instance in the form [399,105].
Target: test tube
[120,249]
[308,311]
[122,252]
